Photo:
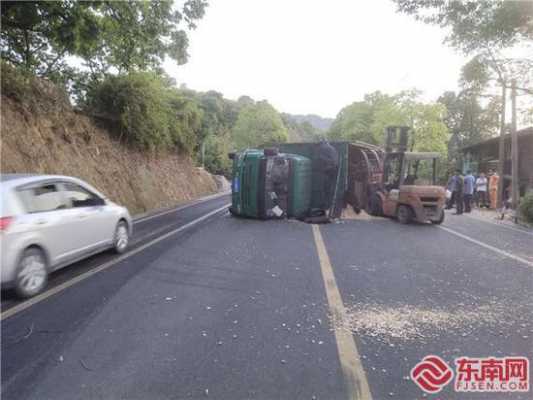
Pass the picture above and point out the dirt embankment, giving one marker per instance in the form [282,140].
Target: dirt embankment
[47,136]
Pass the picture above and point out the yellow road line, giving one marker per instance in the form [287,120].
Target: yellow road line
[59,288]
[352,368]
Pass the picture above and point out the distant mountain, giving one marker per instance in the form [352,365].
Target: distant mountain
[316,121]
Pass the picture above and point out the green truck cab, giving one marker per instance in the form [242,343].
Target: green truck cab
[328,192]
[267,184]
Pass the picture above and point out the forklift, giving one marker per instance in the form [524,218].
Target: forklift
[408,190]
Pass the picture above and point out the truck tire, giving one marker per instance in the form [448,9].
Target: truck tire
[375,207]
[405,214]
[440,220]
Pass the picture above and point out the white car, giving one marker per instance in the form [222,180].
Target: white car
[50,221]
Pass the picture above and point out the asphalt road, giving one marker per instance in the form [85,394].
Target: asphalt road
[242,309]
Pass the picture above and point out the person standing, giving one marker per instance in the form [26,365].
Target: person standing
[469,183]
[493,189]
[329,164]
[481,190]
[459,188]
[452,184]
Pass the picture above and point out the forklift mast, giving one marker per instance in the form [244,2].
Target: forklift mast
[396,139]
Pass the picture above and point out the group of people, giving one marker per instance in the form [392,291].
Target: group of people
[468,189]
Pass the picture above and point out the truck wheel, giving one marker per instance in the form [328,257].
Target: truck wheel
[375,207]
[405,214]
[440,220]
[32,273]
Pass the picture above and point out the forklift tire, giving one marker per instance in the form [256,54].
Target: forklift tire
[374,206]
[405,214]
[440,220]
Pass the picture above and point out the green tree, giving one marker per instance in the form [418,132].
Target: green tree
[482,30]
[107,35]
[475,25]
[258,124]
[184,119]
[366,120]
[147,113]
[300,131]
[217,149]
[354,123]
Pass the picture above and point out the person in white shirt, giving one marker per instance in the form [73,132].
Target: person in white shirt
[482,190]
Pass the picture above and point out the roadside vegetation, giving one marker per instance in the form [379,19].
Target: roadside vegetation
[117,76]
[107,57]
[526,207]
[491,34]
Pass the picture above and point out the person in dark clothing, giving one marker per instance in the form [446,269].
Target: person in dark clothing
[328,159]
[459,190]
[452,187]
[469,184]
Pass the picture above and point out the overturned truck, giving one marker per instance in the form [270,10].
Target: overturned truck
[268,184]
[301,180]
[316,181]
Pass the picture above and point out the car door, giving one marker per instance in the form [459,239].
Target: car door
[49,220]
[95,218]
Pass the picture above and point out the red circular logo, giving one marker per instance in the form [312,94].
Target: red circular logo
[431,374]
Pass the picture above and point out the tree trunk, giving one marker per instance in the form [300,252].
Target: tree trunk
[514,150]
[501,152]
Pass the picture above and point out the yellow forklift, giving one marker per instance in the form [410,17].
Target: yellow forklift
[408,190]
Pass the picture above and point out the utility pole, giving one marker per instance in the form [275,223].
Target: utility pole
[501,152]
[514,149]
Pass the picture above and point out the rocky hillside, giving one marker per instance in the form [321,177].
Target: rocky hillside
[42,133]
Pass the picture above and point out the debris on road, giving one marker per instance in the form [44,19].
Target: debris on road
[85,366]
[407,322]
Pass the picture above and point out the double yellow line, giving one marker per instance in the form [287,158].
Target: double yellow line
[352,368]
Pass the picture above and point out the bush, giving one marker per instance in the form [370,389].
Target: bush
[185,121]
[526,207]
[216,155]
[15,83]
[149,114]
[39,94]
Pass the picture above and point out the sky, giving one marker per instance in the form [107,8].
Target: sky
[311,56]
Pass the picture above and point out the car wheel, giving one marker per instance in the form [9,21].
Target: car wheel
[32,273]
[122,237]
[405,214]
[440,220]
